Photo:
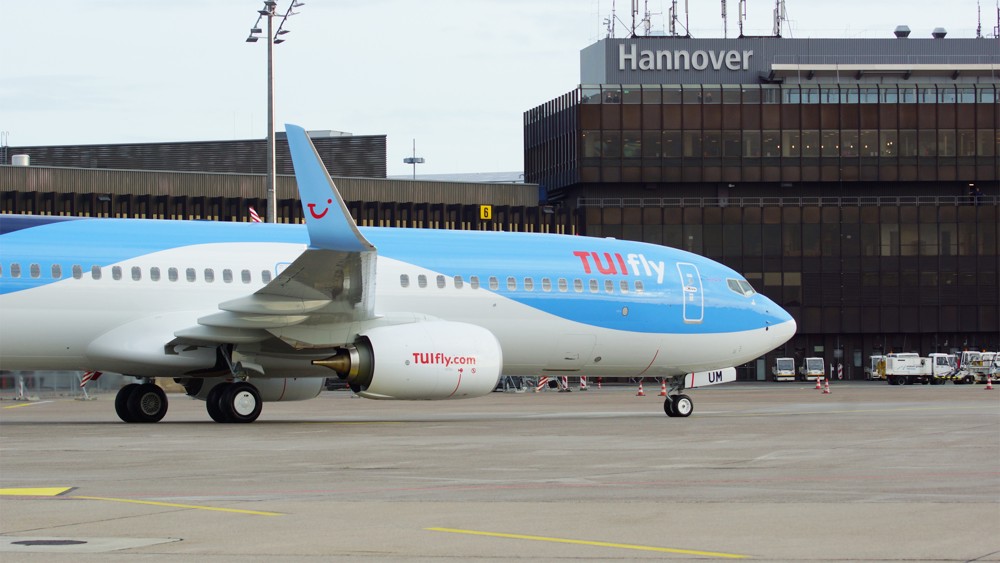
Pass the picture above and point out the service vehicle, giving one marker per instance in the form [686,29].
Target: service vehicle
[977,367]
[876,368]
[910,368]
[784,369]
[812,369]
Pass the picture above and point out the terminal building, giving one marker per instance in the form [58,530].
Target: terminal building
[854,181]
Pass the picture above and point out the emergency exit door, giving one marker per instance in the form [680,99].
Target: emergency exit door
[691,291]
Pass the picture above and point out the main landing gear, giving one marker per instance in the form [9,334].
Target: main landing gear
[141,402]
[234,402]
[677,404]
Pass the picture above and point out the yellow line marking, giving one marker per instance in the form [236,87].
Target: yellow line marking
[36,492]
[28,404]
[191,506]
[592,543]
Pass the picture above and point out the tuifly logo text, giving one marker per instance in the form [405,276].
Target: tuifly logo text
[437,358]
[614,264]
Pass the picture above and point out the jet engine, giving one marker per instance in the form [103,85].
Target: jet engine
[270,389]
[420,361]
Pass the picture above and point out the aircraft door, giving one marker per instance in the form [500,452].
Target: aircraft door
[692,292]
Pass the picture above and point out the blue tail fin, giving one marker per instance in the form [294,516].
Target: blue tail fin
[330,224]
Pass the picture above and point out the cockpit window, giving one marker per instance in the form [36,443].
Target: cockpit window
[742,287]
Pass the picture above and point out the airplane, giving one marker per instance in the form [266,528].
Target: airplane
[246,313]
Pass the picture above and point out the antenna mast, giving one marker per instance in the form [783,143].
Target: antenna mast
[780,15]
[741,14]
[725,30]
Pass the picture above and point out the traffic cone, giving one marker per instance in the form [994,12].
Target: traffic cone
[819,383]
[641,393]
[826,387]
[989,382]
[663,388]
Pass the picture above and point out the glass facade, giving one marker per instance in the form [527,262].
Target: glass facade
[846,204]
[765,133]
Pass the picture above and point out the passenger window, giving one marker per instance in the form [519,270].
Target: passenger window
[190,275]
[458,282]
[1,270]
[154,273]
[172,274]
[15,270]
[511,283]
[227,275]
[578,285]
[474,282]
[624,286]
[421,281]
[529,284]
[404,280]
[494,283]
[546,284]
[245,276]
[594,286]
[563,286]
[638,287]
[609,286]
[116,273]
[95,272]
[440,282]
[36,271]
[136,273]
[77,271]
[56,271]
[265,276]
[209,275]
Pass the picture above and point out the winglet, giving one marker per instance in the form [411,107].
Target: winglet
[330,224]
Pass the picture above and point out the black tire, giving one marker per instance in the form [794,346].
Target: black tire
[241,402]
[902,380]
[213,403]
[683,406]
[147,403]
[668,407]
[121,402]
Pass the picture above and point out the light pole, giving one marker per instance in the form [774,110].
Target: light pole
[414,160]
[273,38]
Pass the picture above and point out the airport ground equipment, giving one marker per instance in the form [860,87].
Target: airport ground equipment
[811,369]
[784,369]
[977,367]
[910,368]
[876,368]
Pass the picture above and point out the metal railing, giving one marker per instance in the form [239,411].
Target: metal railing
[802,201]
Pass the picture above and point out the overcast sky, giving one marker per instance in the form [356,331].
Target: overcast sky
[456,75]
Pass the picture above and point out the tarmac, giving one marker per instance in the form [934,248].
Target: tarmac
[760,471]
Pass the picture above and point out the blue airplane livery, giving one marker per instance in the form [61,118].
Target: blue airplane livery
[245,313]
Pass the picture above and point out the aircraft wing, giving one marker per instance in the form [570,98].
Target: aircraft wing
[331,282]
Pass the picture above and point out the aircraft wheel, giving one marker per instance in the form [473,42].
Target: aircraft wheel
[121,402]
[242,402]
[147,403]
[683,406]
[668,407]
[213,403]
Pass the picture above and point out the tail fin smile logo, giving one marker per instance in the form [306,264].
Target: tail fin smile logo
[312,209]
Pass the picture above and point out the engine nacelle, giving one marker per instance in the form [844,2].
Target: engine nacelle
[421,361]
[270,389]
